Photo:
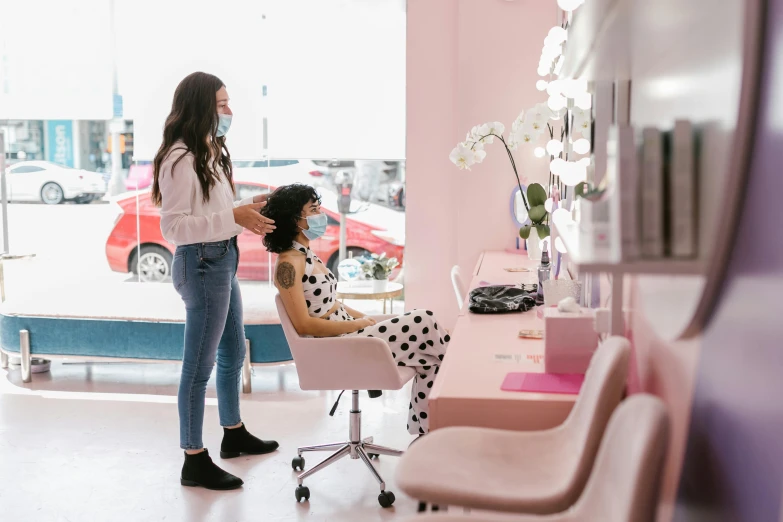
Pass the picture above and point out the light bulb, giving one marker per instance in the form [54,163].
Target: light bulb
[550,52]
[585,161]
[549,204]
[558,34]
[574,173]
[581,146]
[543,71]
[554,87]
[584,101]
[554,147]
[539,152]
[569,5]
[560,246]
[561,216]
[574,88]
[556,102]
[541,85]
[569,175]
[557,166]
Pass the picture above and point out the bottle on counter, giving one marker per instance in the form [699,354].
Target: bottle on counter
[544,270]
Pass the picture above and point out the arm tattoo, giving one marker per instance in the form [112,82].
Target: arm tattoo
[286,275]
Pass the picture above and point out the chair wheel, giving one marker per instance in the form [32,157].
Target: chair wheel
[303,493]
[373,455]
[386,499]
[298,463]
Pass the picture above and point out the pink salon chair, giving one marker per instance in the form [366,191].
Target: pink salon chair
[520,472]
[625,481]
[344,363]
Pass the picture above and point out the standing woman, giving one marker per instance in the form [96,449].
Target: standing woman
[193,185]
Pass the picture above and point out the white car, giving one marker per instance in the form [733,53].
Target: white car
[278,172]
[41,181]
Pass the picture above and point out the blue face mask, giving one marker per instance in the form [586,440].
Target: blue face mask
[317,224]
[224,123]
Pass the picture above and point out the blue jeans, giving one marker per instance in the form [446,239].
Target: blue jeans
[204,275]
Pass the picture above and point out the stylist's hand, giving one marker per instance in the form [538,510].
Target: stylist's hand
[260,198]
[249,217]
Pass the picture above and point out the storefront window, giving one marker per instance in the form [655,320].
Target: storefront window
[98,250]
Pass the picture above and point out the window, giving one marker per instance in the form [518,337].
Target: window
[248,191]
[25,169]
[263,163]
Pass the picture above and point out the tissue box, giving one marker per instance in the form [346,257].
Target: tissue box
[569,339]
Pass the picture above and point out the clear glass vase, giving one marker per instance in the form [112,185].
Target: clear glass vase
[533,245]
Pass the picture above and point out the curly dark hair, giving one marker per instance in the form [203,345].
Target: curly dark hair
[284,206]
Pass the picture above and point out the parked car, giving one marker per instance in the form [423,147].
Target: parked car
[45,182]
[153,259]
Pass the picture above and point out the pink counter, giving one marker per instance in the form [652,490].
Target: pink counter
[483,349]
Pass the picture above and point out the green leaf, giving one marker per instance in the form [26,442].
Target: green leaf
[536,195]
[581,189]
[543,231]
[524,232]
[537,213]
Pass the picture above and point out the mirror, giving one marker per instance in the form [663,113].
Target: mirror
[518,210]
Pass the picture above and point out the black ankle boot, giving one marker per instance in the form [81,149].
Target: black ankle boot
[374,394]
[238,440]
[199,470]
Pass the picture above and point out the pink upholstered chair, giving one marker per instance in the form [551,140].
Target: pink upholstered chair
[344,363]
[522,472]
[624,484]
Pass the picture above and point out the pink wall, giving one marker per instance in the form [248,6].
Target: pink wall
[469,62]
[472,61]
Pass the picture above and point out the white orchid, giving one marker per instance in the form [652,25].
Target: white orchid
[463,156]
[478,151]
[582,124]
[536,116]
[580,114]
[527,133]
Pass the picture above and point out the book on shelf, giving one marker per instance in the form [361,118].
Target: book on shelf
[682,191]
[652,194]
[623,169]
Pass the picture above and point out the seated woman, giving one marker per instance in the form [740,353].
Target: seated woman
[308,290]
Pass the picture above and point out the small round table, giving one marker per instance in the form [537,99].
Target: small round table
[364,290]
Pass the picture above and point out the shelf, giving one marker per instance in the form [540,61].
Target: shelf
[589,262]
[590,25]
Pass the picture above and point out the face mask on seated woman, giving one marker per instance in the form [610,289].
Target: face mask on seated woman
[316,226]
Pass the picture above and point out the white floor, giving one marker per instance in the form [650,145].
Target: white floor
[99,442]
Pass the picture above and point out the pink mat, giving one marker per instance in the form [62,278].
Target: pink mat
[543,382]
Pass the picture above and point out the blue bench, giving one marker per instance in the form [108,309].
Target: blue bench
[147,326]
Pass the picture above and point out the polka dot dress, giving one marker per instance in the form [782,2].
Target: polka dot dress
[320,286]
[418,342]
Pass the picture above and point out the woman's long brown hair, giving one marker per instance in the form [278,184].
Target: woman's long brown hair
[194,120]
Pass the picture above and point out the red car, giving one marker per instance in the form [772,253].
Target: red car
[255,262]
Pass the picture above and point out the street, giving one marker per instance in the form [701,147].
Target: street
[69,268]
[68,242]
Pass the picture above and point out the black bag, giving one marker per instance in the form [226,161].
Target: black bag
[501,299]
